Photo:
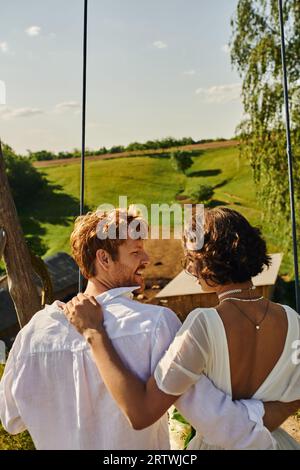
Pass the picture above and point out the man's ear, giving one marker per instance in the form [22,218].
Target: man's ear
[103,259]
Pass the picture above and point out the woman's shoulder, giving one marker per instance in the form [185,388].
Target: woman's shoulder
[292,316]
[201,317]
[290,312]
[288,308]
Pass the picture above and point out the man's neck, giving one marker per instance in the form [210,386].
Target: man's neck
[96,287]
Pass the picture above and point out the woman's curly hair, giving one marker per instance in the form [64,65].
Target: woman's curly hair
[233,251]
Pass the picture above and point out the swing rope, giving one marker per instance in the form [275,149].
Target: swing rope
[289,156]
[82,171]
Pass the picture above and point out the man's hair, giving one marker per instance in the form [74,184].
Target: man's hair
[233,250]
[85,240]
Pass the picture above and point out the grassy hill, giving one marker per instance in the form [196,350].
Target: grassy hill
[48,221]
[144,179]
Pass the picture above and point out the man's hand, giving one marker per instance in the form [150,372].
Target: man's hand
[84,313]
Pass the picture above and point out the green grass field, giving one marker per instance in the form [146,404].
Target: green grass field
[145,180]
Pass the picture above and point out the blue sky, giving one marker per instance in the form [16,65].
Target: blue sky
[155,68]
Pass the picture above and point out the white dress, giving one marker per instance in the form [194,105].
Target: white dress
[201,346]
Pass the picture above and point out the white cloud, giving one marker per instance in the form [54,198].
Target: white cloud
[33,30]
[225,48]
[3,110]
[220,93]
[67,106]
[189,72]
[160,44]
[4,47]
[93,125]
[11,113]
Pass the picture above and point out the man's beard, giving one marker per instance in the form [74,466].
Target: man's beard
[123,279]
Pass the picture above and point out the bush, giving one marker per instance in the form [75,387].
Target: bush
[24,180]
[186,141]
[63,155]
[42,155]
[152,145]
[135,146]
[181,161]
[202,194]
[117,149]
[76,153]
[101,151]
[165,143]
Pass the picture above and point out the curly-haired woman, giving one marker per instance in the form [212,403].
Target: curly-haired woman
[245,345]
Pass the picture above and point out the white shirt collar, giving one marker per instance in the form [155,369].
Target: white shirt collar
[116,292]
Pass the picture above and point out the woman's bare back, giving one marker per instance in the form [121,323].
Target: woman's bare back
[253,353]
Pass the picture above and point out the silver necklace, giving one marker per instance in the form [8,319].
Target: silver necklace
[257,325]
[236,291]
[242,300]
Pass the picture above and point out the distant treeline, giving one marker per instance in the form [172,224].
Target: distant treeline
[165,143]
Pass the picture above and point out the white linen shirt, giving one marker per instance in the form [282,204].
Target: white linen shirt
[51,385]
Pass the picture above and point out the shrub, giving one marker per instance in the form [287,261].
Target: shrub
[134,146]
[25,181]
[181,161]
[63,155]
[42,155]
[101,151]
[117,149]
[202,194]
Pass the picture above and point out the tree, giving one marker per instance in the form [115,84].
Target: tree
[203,193]
[181,161]
[16,255]
[117,149]
[24,180]
[42,155]
[255,52]
[101,151]
[134,146]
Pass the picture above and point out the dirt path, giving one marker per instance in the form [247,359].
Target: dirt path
[292,426]
[71,161]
